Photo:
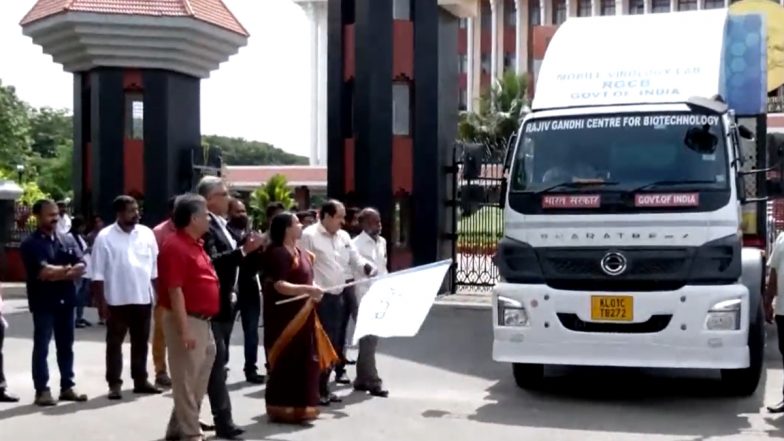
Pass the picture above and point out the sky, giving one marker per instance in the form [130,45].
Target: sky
[259,94]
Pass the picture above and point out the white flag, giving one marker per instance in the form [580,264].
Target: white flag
[396,304]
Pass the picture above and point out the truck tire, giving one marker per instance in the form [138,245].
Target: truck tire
[743,382]
[528,376]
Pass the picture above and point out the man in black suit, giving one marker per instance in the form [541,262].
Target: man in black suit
[226,258]
[248,291]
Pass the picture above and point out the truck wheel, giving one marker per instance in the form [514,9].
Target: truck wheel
[743,382]
[528,376]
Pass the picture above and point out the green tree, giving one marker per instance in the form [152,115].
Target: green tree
[55,175]
[238,151]
[50,130]
[15,138]
[275,190]
[501,109]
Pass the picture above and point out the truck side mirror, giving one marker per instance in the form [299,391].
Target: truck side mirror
[775,151]
[746,133]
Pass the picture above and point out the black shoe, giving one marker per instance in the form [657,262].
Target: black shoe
[231,432]
[778,408]
[115,393]
[5,397]
[342,378]
[350,362]
[44,398]
[163,381]
[70,394]
[80,325]
[206,427]
[379,392]
[255,378]
[147,388]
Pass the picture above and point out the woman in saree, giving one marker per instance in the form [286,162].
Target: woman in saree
[297,348]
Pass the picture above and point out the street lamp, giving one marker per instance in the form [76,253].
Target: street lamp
[20,168]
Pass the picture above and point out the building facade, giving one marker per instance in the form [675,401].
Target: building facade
[502,36]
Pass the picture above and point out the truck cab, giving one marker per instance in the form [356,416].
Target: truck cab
[626,198]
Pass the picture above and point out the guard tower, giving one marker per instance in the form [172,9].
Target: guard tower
[137,68]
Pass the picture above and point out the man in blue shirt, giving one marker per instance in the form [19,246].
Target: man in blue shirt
[51,293]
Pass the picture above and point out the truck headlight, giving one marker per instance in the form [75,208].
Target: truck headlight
[724,316]
[511,313]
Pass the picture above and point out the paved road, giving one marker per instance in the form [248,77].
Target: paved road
[444,387]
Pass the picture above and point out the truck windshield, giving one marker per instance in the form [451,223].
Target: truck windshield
[631,152]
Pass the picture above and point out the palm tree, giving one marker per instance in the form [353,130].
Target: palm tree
[275,190]
[501,109]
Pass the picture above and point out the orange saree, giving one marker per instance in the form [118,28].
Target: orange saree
[296,345]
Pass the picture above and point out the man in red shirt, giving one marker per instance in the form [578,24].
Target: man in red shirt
[188,293]
[162,231]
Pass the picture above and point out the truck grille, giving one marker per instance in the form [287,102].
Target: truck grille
[647,268]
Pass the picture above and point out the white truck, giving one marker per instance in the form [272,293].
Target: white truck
[630,187]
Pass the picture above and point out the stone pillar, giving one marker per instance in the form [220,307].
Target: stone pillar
[321,148]
[521,36]
[470,61]
[476,66]
[494,39]
[313,60]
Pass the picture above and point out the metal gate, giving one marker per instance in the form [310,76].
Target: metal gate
[478,216]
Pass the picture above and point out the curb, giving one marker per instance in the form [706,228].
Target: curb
[14,291]
[18,291]
[444,304]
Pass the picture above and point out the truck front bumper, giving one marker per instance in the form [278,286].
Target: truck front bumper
[542,325]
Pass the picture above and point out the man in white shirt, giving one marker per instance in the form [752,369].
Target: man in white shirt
[373,247]
[64,223]
[774,286]
[336,259]
[124,266]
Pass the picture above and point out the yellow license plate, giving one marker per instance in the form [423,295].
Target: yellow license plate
[612,308]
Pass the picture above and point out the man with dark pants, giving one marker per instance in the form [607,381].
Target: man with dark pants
[226,258]
[124,271]
[336,259]
[774,286]
[248,292]
[51,294]
[5,397]
[373,247]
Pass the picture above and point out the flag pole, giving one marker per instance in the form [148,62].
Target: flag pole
[341,287]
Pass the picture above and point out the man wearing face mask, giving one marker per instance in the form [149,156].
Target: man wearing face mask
[248,291]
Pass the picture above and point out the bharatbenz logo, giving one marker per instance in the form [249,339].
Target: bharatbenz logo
[610,236]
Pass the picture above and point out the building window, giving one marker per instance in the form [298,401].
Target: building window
[559,11]
[714,4]
[487,15]
[401,9]
[511,15]
[636,7]
[463,100]
[134,115]
[485,63]
[661,5]
[534,13]
[509,61]
[584,8]
[687,5]
[463,23]
[462,66]
[607,7]
[401,108]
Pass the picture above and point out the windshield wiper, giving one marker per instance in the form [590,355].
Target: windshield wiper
[667,183]
[576,184]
